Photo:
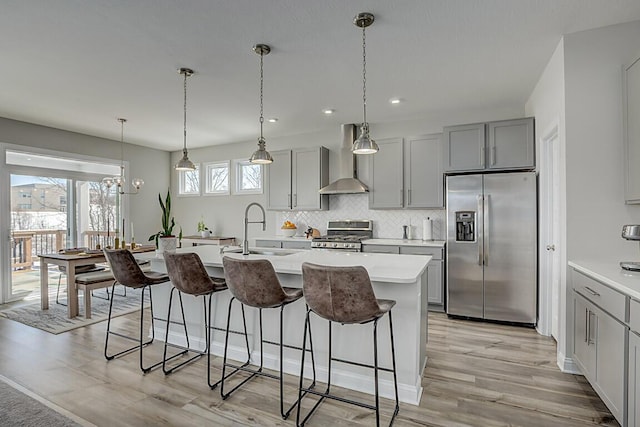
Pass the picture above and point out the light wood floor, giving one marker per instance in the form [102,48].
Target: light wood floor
[478,374]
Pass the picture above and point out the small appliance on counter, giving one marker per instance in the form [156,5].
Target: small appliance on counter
[631,232]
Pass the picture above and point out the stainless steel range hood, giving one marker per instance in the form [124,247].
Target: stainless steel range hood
[347,182]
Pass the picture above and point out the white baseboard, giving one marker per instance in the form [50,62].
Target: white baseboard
[567,365]
[340,375]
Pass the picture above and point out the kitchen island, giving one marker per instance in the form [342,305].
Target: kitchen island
[402,278]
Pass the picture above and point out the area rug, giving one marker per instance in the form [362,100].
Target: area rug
[21,407]
[55,320]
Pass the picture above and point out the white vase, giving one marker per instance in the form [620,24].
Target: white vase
[205,233]
[167,244]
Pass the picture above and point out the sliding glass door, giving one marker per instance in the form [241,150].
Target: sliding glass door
[48,203]
[39,224]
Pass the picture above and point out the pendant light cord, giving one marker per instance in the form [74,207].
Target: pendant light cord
[261,93]
[185,112]
[364,76]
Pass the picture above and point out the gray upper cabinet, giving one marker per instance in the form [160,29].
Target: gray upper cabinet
[423,176]
[279,181]
[511,144]
[503,145]
[406,173]
[631,108]
[294,178]
[386,190]
[464,147]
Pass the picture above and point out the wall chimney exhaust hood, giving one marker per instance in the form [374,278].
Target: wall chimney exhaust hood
[348,182]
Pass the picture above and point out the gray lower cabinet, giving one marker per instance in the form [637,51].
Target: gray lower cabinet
[599,352]
[294,178]
[501,145]
[633,398]
[435,270]
[268,243]
[284,244]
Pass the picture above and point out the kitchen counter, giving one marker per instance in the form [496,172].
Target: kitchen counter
[402,278]
[403,242]
[610,273]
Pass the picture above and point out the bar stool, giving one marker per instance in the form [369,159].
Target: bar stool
[188,276]
[254,283]
[128,273]
[345,295]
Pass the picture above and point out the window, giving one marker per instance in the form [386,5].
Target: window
[216,178]
[189,182]
[248,177]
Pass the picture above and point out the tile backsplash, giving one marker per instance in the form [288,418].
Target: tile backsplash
[387,224]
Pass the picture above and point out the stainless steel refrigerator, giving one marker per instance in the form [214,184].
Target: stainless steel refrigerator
[492,246]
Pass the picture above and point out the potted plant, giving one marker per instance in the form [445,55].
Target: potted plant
[202,229]
[165,240]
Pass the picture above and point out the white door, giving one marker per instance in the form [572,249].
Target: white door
[550,233]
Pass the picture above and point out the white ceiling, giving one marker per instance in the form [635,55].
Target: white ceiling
[78,64]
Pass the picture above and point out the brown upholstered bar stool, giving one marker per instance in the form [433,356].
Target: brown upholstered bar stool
[128,273]
[189,276]
[254,283]
[345,295]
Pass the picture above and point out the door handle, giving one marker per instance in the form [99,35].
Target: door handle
[589,341]
[409,196]
[493,155]
[551,247]
[486,239]
[401,197]
[482,155]
[480,244]
[586,325]
[295,200]
[592,292]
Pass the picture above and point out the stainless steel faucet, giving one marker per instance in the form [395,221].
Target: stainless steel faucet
[245,242]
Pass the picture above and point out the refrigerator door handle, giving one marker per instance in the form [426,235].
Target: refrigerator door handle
[486,236]
[478,234]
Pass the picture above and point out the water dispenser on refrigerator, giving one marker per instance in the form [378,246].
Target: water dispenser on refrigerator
[465,226]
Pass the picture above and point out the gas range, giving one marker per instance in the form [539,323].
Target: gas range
[345,235]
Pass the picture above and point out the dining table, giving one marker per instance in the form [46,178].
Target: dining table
[69,260]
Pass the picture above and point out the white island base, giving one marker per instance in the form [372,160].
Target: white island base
[402,278]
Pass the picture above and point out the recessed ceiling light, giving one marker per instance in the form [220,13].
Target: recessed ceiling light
[328,111]
[395,100]
[273,120]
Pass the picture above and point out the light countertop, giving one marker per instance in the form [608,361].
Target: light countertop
[381,267]
[390,242]
[610,273]
[401,242]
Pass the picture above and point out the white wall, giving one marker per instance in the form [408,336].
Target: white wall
[547,104]
[146,163]
[594,140]
[225,213]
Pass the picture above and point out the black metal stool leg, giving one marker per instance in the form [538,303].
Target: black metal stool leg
[375,370]
[106,340]
[186,349]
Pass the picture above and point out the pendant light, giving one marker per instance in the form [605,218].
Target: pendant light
[119,180]
[185,164]
[364,144]
[261,155]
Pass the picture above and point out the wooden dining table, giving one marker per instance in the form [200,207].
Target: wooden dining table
[70,261]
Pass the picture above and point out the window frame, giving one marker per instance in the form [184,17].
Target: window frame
[181,182]
[211,165]
[238,164]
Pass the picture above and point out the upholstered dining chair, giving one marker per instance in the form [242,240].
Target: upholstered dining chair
[128,273]
[344,295]
[254,283]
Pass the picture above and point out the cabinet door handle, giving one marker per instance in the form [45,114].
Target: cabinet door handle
[589,341]
[482,155]
[493,155]
[586,325]
[409,194]
[592,292]
[295,200]
[401,196]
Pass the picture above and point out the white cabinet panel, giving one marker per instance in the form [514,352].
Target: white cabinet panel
[511,144]
[423,175]
[464,147]
[279,181]
[386,167]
